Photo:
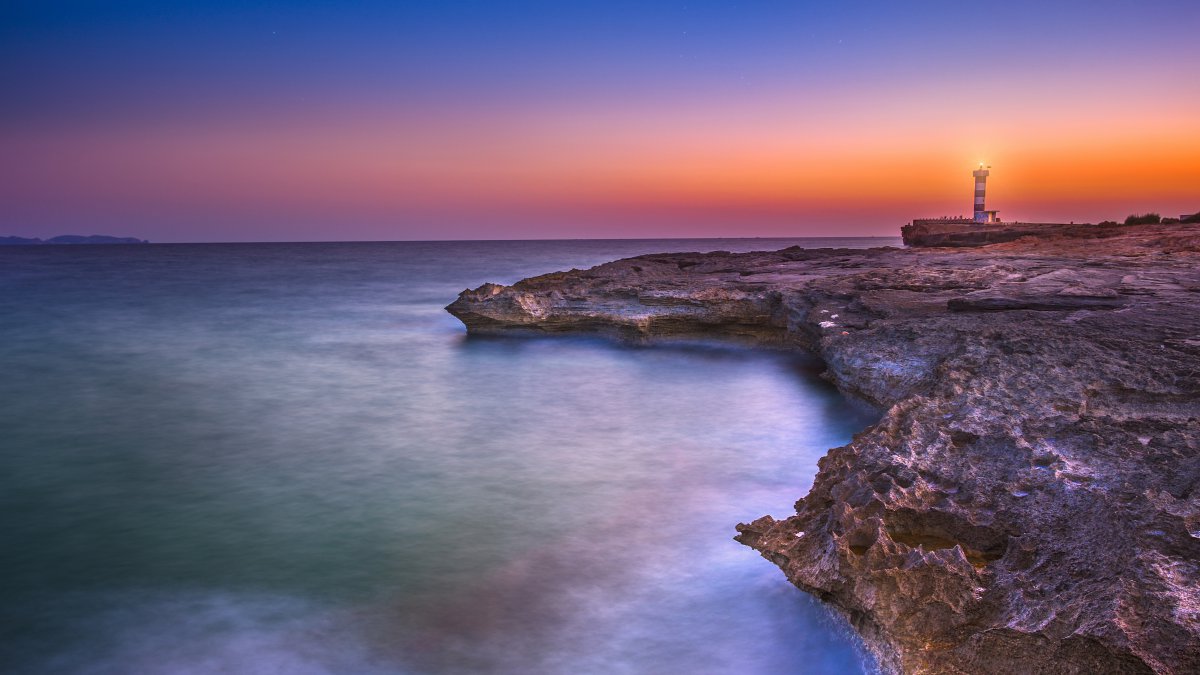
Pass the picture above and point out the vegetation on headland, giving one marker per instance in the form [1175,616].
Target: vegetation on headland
[1143,219]
[1152,219]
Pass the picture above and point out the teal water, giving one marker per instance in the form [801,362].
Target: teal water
[287,458]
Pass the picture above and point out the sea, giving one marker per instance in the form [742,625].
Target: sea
[288,458]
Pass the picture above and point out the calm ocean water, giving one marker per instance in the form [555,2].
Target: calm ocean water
[287,458]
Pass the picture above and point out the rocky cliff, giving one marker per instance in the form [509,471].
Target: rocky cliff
[1030,500]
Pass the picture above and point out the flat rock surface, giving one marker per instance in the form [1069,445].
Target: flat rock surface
[1029,500]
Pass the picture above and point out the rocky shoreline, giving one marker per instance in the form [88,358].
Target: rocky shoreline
[1030,500]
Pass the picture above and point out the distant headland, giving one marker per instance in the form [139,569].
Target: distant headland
[70,239]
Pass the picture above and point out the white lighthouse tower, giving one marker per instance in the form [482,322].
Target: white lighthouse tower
[982,215]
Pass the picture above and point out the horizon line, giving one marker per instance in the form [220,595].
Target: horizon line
[440,241]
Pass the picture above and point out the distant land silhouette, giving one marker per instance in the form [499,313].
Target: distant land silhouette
[70,239]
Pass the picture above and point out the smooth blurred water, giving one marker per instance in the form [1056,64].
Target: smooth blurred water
[287,458]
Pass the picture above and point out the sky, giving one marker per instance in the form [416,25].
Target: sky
[368,120]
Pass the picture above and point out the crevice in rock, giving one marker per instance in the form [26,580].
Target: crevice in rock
[934,530]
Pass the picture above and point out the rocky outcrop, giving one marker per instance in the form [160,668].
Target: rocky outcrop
[1029,500]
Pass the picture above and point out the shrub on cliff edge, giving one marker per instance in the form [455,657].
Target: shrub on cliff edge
[1144,219]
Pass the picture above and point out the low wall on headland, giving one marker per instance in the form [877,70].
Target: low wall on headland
[936,232]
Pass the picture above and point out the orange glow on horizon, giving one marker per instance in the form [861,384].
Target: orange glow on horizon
[794,159]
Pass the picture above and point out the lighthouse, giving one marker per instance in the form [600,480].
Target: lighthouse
[981,214]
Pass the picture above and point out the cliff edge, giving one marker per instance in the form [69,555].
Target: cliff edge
[1029,500]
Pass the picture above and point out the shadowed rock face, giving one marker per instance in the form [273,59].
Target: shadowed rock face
[1030,499]
[927,233]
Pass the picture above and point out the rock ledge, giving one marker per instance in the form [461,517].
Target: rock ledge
[1030,499]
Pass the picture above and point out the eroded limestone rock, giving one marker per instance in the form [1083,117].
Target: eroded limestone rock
[1029,500]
